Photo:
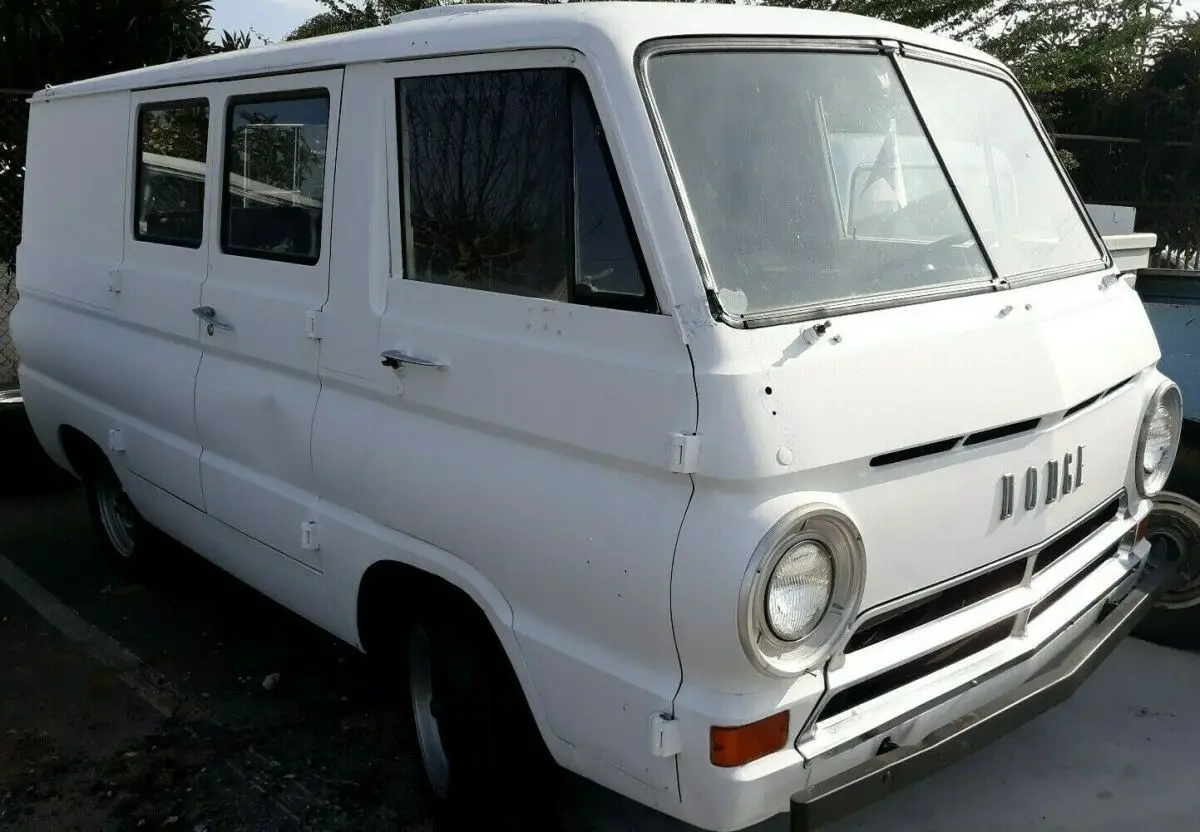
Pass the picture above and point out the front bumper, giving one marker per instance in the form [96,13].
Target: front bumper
[894,770]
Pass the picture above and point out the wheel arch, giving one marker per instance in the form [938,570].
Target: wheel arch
[81,451]
[391,593]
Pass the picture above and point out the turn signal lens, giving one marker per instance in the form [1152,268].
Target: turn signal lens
[732,747]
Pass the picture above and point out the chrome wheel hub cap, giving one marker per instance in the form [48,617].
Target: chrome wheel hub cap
[425,712]
[117,515]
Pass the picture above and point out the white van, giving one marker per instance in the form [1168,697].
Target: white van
[733,405]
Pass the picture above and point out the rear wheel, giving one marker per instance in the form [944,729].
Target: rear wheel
[484,761]
[1175,523]
[122,534]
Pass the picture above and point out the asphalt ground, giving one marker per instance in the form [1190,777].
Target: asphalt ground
[221,710]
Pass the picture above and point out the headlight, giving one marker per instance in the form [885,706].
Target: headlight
[801,590]
[1158,442]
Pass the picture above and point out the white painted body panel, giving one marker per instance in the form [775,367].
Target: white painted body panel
[532,472]
[257,390]
[521,432]
[78,256]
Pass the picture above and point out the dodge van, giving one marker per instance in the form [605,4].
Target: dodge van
[734,406]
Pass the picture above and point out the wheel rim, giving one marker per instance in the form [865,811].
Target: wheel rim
[117,515]
[420,688]
[1175,522]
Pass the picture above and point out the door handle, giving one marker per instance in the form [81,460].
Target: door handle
[209,316]
[396,358]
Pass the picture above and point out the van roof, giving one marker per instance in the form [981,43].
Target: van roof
[477,27]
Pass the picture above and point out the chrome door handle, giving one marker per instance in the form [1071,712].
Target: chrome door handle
[209,316]
[396,358]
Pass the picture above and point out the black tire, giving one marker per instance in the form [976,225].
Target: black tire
[499,774]
[1177,629]
[122,535]
[1175,520]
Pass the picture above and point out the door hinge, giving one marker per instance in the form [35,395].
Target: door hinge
[684,453]
[308,536]
[114,279]
[116,441]
[312,324]
[666,740]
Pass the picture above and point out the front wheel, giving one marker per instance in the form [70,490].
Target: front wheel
[1175,621]
[483,757]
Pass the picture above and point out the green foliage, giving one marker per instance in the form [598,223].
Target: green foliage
[347,16]
[944,16]
[1062,49]
[56,41]
[325,23]
[232,41]
[1157,165]
[937,15]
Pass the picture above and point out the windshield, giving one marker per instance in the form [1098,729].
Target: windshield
[810,180]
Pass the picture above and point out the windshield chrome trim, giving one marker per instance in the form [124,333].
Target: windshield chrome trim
[1060,273]
[868,303]
[844,306]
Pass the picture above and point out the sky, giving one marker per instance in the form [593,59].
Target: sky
[275,18]
[271,18]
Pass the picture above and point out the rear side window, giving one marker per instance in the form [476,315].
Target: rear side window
[172,173]
[275,148]
[507,186]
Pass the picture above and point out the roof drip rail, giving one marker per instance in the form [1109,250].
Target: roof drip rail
[452,9]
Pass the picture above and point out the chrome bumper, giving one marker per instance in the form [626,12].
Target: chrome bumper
[896,769]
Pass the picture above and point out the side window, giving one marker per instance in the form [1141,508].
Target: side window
[611,271]
[488,177]
[275,176]
[507,186]
[172,170]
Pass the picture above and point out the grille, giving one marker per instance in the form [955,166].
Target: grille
[1058,594]
[958,595]
[944,603]
[1058,547]
[856,695]
[961,594]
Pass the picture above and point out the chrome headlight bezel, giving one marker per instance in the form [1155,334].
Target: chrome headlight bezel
[1150,484]
[831,529]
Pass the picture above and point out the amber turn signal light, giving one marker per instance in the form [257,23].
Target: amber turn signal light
[731,747]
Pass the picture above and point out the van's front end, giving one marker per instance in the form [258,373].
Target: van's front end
[930,421]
